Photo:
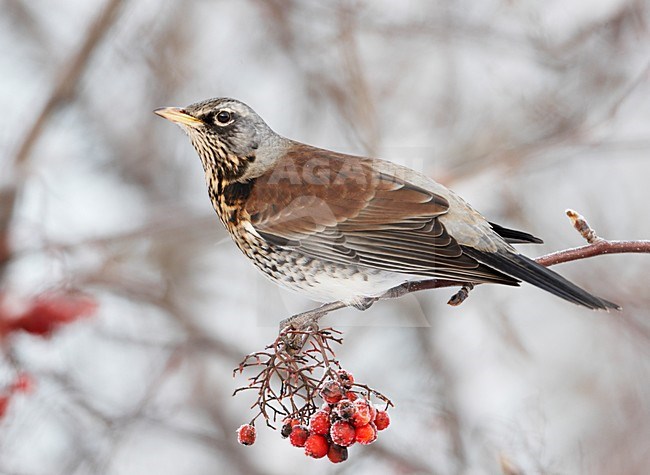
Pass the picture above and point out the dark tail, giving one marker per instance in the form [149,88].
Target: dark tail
[521,267]
[515,237]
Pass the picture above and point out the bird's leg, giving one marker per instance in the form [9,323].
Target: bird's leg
[304,323]
[311,317]
[302,320]
[460,296]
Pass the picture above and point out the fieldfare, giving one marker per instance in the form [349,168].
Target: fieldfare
[338,227]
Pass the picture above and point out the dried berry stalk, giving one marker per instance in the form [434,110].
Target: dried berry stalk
[292,372]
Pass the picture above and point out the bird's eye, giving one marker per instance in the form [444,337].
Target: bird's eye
[223,117]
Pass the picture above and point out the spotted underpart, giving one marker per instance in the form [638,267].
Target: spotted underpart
[289,268]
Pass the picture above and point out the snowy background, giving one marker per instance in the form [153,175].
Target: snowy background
[525,108]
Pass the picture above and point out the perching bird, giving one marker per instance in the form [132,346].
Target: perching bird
[338,227]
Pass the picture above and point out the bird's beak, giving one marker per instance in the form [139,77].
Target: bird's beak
[177,115]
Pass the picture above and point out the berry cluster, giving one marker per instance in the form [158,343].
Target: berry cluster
[288,383]
[343,420]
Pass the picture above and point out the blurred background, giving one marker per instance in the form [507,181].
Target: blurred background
[525,108]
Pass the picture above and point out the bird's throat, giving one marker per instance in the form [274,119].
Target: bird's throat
[228,197]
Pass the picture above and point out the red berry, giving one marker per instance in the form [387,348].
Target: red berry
[366,434]
[337,454]
[344,409]
[373,413]
[351,395]
[319,423]
[51,310]
[363,412]
[246,434]
[382,420]
[347,380]
[299,436]
[342,433]
[287,426]
[23,384]
[4,405]
[316,446]
[332,392]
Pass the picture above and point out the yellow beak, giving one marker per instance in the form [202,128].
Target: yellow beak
[177,115]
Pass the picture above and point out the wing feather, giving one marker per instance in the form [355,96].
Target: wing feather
[358,217]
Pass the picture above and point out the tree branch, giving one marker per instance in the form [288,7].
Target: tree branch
[596,246]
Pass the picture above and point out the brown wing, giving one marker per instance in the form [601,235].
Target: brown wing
[335,207]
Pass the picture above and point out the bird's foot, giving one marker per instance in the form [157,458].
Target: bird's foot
[297,328]
[460,296]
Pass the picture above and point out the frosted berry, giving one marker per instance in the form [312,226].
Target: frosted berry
[299,436]
[332,392]
[351,396]
[366,434]
[319,423]
[337,454]
[343,433]
[373,412]
[382,420]
[345,409]
[246,434]
[347,380]
[288,426]
[316,446]
[363,412]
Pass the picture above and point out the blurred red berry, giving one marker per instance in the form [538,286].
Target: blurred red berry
[319,423]
[4,404]
[49,311]
[351,396]
[246,434]
[363,412]
[299,436]
[337,454]
[366,434]
[316,446]
[23,384]
[344,409]
[342,433]
[326,407]
[347,380]
[332,392]
[382,420]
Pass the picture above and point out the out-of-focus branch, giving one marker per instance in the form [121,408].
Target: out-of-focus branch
[70,74]
[62,91]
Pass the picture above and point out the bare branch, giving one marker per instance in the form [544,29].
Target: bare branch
[62,91]
[70,75]
[596,247]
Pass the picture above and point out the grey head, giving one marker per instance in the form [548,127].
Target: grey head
[229,137]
